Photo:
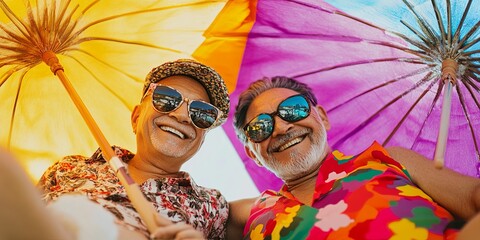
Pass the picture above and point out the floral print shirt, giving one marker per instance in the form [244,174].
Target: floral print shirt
[368,196]
[179,199]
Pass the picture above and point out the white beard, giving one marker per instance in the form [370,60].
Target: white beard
[301,162]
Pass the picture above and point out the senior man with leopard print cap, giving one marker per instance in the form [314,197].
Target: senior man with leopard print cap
[182,100]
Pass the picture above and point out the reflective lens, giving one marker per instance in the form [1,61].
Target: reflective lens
[203,115]
[260,128]
[292,109]
[166,99]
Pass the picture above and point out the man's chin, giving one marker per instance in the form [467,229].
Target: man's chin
[298,164]
[172,151]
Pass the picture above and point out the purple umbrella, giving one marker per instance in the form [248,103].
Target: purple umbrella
[376,67]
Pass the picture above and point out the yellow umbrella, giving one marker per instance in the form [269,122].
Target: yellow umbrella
[104,49]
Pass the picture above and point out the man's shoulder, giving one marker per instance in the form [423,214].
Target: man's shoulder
[79,160]
[97,156]
[76,163]
[74,158]
[210,192]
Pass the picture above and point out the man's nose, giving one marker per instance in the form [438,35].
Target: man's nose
[281,126]
[181,113]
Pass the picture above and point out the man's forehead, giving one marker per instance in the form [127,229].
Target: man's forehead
[275,94]
[268,101]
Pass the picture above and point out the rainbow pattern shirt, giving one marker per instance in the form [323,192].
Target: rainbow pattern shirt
[368,196]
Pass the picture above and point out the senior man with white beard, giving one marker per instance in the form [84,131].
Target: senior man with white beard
[380,193]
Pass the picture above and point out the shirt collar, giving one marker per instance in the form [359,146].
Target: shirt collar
[184,179]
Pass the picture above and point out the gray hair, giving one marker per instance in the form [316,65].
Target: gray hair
[256,88]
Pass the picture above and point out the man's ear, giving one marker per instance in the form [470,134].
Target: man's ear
[134,117]
[323,115]
[252,155]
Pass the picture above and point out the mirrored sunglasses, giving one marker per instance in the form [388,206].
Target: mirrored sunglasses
[292,109]
[166,99]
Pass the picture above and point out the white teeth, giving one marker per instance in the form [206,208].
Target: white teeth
[290,143]
[174,131]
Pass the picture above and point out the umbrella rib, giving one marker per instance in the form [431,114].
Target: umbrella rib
[434,101]
[340,13]
[438,15]
[467,116]
[8,74]
[460,24]
[427,78]
[88,7]
[19,24]
[473,59]
[137,12]
[387,140]
[416,33]
[411,41]
[420,54]
[424,26]
[462,41]
[43,19]
[449,22]
[474,77]
[66,34]
[350,64]
[124,102]
[15,39]
[38,38]
[427,46]
[63,11]
[14,110]
[474,69]
[470,53]
[473,95]
[467,46]
[85,39]
[419,71]
[51,18]
[349,39]
[21,59]
[62,25]
[402,36]
[12,37]
[466,79]
[109,65]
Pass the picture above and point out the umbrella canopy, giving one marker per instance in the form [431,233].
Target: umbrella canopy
[106,49]
[376,67]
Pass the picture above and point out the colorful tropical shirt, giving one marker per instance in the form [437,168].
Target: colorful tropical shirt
[179,199]
[368,196]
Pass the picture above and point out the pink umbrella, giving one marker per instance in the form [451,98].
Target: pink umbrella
[376,84]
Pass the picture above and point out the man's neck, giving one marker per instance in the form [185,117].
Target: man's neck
[141,170]
[304,187]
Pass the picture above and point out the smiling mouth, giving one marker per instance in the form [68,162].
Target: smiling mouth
[290,143]
[173,131]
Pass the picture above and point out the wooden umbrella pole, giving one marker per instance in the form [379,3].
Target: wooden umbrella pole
[449,78]
[145,209]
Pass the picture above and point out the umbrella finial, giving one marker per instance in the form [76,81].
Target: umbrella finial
[52,61]
[449,70]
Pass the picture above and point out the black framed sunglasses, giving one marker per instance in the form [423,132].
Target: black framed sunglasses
[292,109]
[166,99]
